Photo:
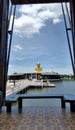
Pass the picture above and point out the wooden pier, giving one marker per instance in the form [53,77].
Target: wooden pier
[23,86]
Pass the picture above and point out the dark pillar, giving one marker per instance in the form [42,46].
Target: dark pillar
[72,106]
[72,11]
[63,103]
[4,6]
[20,103]
[1,68]
[8,107]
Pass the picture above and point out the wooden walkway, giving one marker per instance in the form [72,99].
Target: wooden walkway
[22,84]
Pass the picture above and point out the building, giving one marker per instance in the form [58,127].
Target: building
[51,76]
[37,74]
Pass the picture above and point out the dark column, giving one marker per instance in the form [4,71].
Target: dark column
[1,64]
[72,11]
[63,103]
[4,6]
[72,106]
[20,103]
[8,107]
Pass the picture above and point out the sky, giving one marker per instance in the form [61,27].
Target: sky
[39,36]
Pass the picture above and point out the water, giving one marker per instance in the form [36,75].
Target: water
[62,87]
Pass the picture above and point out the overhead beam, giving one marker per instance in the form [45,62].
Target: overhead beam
[37,1]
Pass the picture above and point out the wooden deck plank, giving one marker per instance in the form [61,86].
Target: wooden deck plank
[69,98]
[12,98]
[31,96]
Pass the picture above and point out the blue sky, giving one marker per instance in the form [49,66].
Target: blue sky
[39,36]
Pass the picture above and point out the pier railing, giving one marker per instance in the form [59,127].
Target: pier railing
[22,84]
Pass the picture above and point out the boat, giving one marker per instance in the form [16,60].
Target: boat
[51,85]
[48,84]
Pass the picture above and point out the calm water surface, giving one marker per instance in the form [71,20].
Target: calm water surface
[62,87]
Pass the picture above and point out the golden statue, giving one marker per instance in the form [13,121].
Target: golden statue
[38,68]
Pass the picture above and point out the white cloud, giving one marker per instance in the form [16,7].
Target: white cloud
[17,47]
[57,20]
[19,58]
[33,18]
[10,66]
[27,26]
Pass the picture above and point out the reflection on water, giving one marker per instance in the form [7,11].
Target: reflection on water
[62,87]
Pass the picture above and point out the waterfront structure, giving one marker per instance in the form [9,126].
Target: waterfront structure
[38,74]
[51,76]
[44,75]
[16,76]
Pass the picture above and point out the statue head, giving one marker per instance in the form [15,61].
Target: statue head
[38,64]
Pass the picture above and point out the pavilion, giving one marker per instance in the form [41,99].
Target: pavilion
[32,118]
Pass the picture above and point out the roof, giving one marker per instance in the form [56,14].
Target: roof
[16,76]
[50,73]
[37,1]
